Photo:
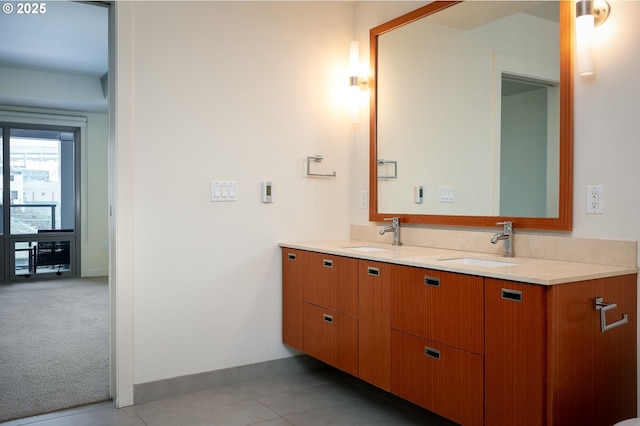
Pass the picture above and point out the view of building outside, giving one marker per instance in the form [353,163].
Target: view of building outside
[35,185]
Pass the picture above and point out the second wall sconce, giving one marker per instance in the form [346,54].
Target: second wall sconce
[589,14]
[358,81]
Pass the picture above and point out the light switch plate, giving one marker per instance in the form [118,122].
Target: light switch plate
[446,194]
[224,191]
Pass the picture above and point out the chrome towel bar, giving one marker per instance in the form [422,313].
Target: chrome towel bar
[603,307]
[317,159]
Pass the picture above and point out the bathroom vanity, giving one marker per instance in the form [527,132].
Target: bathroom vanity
[476,338]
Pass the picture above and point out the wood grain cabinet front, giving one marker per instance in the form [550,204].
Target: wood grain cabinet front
[327,298]
[437,321]
[438,377]
[332,337]
[515,354]
[473,349]
[332,282]
[440,306]
[374,321]
[549,360]
[292,313]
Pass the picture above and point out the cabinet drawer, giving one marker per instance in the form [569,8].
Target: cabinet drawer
[440,306]
[440,378]
[331,282]
[331,337]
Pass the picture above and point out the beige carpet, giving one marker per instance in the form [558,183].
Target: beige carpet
[54,345]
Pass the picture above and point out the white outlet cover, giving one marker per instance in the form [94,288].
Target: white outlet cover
[595,194]
[364,199]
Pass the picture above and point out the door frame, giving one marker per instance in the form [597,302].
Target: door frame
[121,200]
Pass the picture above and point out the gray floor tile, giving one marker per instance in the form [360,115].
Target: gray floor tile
[354,412]
[422,418]
[324,397]
[107,416]
[275,422]
[239,413]
[318,396]
[265,387]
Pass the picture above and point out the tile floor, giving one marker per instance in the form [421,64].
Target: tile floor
[320,397]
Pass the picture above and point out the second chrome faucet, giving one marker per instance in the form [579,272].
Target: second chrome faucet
[507,236]
[395,228]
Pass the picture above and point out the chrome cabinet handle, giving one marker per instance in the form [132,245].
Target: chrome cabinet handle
[603,307]
[327,263]
[373,271]
[327,318]
[291,256]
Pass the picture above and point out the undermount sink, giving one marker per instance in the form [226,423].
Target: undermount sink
[478,262]
[367,248]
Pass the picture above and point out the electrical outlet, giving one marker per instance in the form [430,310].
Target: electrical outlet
[595,199]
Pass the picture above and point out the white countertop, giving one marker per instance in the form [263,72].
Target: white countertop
[522,269]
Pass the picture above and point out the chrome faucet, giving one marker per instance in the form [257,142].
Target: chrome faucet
[507,236]
[395,227]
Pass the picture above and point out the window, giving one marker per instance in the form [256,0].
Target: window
[40,210]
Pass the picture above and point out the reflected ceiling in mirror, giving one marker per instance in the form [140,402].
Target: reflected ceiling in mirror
[472,103]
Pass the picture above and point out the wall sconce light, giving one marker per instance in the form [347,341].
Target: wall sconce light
[358,81]
[589,14]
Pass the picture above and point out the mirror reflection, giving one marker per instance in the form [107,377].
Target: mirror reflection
[468,112]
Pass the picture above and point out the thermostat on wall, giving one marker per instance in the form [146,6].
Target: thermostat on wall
[419,194]
[267,192]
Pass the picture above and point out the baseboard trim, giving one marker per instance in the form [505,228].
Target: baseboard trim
[176,386]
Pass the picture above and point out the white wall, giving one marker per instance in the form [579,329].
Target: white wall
[95,211]
[607,129]
[223,91]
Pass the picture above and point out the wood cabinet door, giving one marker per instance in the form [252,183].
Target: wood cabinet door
[593,373]
[440,378]
[515,353]
[440,306]
[331,337]
[408,301]
[332,282]
[408,369]
[374,322]
[292,326]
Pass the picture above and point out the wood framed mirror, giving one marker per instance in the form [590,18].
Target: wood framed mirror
[472,185]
